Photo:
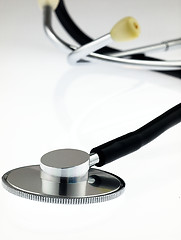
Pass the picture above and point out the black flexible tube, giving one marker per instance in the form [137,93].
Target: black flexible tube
[74,31]
[79,36]
[131,142]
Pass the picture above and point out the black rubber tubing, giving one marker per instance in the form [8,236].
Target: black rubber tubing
[74,31]
[132,141]
[79,36]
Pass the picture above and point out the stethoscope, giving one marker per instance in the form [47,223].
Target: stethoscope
[67,176]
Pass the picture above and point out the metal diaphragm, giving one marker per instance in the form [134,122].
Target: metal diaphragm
[63,176]
[28,182]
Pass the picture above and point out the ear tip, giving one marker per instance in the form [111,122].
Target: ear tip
[126,29]
[52,3]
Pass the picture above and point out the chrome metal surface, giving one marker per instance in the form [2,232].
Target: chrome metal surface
[163,46]
[94,159]
[65,163]
[49,31]
[88,48]
[138,64]
[95,57]
[28,182]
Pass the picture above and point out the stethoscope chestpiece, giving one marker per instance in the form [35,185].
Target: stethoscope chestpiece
[63,176]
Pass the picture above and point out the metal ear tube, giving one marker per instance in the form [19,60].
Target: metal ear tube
[87,52]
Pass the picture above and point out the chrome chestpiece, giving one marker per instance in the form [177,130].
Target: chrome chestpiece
[63,176]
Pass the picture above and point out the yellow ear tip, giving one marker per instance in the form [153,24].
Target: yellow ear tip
[126,29]
[52,3]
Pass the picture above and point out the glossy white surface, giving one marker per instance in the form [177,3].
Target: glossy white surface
[47,104]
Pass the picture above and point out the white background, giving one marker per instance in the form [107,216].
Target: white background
[46,104]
